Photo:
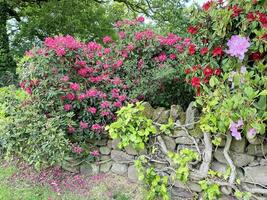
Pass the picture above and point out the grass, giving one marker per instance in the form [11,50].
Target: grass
[111,188]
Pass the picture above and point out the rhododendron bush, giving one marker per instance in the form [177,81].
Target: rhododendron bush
[228,67]
[89,82]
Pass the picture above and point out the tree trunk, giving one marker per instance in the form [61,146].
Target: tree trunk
[6,60]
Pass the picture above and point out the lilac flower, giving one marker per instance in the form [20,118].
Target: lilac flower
[234,129]
[243,70]
[251,132]
[238,46]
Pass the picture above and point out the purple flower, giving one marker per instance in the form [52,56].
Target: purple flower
[243,70]
[238,46]
[234,129]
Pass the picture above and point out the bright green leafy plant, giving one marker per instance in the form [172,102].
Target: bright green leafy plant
[157,185]
[132,127]
[211,191]
[182,160]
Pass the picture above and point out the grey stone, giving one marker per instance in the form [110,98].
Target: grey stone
[109,144]
[222,168]
[174,112]
[70,164]
[256,174]
[115,144]
[105,157]
[219,167]
[263,162]
[177,193]
[254,163]
[142,152]
[257,150]
[191,113]
[240,160]
[148,111]
[170,143]
[120,156]
[102,142]
[164,117]
[191,185]
[130,150]
[132,174]
[157,112]
[238,145]
[104,150]
[119,169]
[105,167]
[89,169]
[183,140]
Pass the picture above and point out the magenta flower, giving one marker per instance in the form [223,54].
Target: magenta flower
[91,93]
[107,39]
[96,127]
[65,79]
[92,110]
[238,46]
[105,104]
[141,19]
[75,86]
[95,153]
[67,107]
[83,125]
[70,96]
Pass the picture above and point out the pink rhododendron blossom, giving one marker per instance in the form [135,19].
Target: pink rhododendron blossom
[140,19]
[82,96]
[95,153]
[117,104]
[172,56]
[75,86]
[104,113]
[65,79]
[67,107]
[238,46]
[71,129]
[122,34]
[107,39]
[70,96]
[91,93]
[96,127]
[92,110]
[83,125]
[107,51]
[105,104]
[60,51]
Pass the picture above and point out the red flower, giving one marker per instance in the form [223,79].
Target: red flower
[207,71]
[217,71]
[217,51]
[204,50]
[206,6]
[263,19]
[195,81]
[192,49]
[251,16]
[236,10]
[187,71]
[256,56]
[192,29]
[264,36]
[196,67]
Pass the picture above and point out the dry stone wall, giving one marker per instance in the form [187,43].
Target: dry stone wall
[250,159]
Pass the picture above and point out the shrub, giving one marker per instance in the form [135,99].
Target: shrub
[93,81]
[10,98]
[227,66]
[35,138]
